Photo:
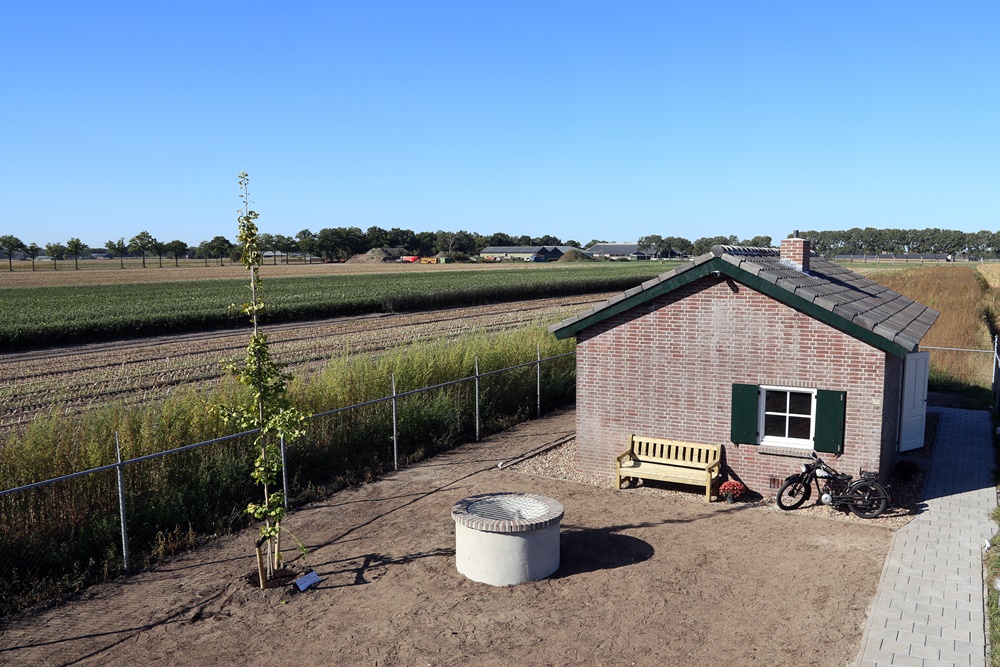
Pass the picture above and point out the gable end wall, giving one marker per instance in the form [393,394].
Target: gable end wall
[666,369]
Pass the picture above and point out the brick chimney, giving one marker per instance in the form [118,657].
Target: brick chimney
[796,251]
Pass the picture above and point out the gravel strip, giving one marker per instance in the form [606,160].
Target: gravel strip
[557,463]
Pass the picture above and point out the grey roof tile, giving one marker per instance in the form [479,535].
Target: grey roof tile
[697,261]
[652,282]
[735,260]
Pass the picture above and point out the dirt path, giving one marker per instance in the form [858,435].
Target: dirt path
[644,580]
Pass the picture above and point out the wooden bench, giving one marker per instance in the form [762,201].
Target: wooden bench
[671,461]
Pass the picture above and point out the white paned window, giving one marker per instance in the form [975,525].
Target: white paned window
[787,416]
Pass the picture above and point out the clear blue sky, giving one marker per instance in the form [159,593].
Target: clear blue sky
[579,119]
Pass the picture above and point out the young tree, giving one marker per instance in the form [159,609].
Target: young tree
[269,412]
[159,249]
[676,245]
[652,241]
[176,249]
[376,237]
[328,243]
[706,243]
[286,245]
[402,238]
[547,239]
[75,248]
[33,251]
[353,241]
[266,243]
[757,242]
[119,248]
[220,247]
[55,251]
[307,244]
[445,241]
[423,243]
[204,251]
[499,239]
[143,242]
[8,246]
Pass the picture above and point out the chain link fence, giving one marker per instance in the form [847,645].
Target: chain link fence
[62,534]
[973,373]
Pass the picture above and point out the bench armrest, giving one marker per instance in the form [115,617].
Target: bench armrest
[627,454]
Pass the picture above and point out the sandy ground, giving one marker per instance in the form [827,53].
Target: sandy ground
[644,580]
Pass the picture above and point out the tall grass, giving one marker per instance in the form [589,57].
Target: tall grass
[968,307]
[63,536]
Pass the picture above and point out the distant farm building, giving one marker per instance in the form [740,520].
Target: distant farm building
[631,251]
[524,253]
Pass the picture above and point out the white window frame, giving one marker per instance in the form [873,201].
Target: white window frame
[785,442]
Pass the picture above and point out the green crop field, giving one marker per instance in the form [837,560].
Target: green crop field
[53,315]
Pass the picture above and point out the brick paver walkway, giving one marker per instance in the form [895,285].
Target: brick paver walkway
[929,609]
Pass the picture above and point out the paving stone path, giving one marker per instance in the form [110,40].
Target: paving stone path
[929,609]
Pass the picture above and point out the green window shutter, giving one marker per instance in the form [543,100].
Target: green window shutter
[743,422]
[830,411]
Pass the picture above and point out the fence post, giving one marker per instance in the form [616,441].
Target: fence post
[284,471]
[395,428]
[538,379]
[121,506]
[996,390]
[477,399]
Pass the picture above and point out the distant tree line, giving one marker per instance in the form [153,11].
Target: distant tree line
[340,243]
[676,246]
[331,244]
[929,241]
[854,241]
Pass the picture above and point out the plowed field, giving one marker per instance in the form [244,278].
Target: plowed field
[69,378]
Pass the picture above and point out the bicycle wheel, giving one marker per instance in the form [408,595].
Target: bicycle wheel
[868,499]
[793,493]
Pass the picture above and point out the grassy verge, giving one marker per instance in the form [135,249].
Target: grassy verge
[64,536]
[993,596]
[967,301]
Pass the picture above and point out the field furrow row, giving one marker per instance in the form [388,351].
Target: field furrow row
[134,372]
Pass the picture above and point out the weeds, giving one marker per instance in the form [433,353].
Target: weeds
[993,596]
[63,536]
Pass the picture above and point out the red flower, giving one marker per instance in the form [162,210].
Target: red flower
[732,489]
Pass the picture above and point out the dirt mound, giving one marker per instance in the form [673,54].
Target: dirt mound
[575,256]
[377,255]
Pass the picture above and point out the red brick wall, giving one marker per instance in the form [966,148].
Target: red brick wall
[666,369]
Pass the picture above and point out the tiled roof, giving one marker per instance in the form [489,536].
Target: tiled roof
[513,249]
[846,300]
[618,249]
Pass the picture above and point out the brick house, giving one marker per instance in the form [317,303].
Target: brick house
[773,354]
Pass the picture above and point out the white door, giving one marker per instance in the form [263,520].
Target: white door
[911,432]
